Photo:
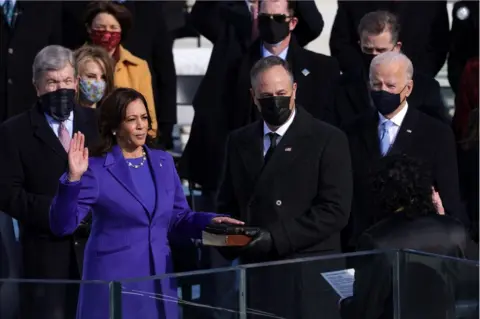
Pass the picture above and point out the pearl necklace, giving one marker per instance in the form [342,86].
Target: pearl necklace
[144,159]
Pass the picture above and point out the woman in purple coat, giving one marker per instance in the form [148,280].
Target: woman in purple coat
[137,201]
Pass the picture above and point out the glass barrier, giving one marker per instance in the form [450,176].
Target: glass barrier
[373,284]
[298,288]
[436,287]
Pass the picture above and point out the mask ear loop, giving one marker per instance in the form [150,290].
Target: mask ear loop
[401,93]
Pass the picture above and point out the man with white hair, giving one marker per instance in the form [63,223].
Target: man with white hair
[394,127]
[379,32]
[33,156]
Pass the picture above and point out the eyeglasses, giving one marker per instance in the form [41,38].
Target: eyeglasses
[279,18]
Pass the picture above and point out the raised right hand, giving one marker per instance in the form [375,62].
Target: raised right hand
[77,157]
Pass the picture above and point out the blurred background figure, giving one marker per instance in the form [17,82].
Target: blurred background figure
[463,40]
[407,217]
[379,32]
[466,99]
[425,32]
[34,148]
[147,38]
[95,70]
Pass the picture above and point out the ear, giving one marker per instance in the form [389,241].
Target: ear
[410,87]
[255,100]
[398,46]
[252,93]
[294,91]
[36,88]
[293,23]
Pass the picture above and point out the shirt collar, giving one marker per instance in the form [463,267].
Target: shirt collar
[282,54]
[397,119]
[52,120]
[282,129]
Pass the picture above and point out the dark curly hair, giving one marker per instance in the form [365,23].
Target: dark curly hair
[401,184]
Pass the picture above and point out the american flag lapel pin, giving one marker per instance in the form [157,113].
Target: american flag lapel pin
[409,131]
[288,149]
[305,72]
[161,164]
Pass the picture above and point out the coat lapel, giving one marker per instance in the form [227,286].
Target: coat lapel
[45,133]
[369,133]
[251,151]
[405,133]
[117,166]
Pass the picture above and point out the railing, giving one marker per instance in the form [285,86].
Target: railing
[401,284]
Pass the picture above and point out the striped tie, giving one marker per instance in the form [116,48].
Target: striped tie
[64,136]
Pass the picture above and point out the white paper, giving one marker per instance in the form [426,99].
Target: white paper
[341,281]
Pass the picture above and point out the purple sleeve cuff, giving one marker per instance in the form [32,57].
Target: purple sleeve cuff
[64,180]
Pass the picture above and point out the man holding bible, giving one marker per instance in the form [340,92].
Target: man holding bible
[289,175]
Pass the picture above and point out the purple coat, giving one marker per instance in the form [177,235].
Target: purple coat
[126,241]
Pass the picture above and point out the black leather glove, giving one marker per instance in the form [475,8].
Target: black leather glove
[260,247]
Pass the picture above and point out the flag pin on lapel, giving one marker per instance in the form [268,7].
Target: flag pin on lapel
[409,131]
[161,165]
[305,72]
[288,149]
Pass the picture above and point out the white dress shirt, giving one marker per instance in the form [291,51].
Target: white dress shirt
[396,120]
[282,54]
[54,124]
[280,131]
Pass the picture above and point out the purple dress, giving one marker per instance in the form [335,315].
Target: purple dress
[133,213]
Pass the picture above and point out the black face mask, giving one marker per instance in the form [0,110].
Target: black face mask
[275,110]
[386,102]
[272,31]
[58,104]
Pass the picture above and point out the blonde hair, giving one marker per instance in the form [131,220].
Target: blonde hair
[97,54]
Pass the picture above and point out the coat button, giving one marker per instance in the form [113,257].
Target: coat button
[76,243]
[10,50]
[10,81]
[278,202]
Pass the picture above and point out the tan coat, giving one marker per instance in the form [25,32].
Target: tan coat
[132,72]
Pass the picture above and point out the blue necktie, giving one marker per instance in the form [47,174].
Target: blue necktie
[8,11]
[385,137]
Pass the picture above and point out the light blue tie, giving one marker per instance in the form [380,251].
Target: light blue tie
[8,11]
[385,137]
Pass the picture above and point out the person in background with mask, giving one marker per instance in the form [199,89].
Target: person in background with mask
[95,71]
[34,148]
[394,127]
[316,75]
[379,32]
[107,25]
[289,174]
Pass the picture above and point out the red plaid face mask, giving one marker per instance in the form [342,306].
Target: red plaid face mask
[109,40]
